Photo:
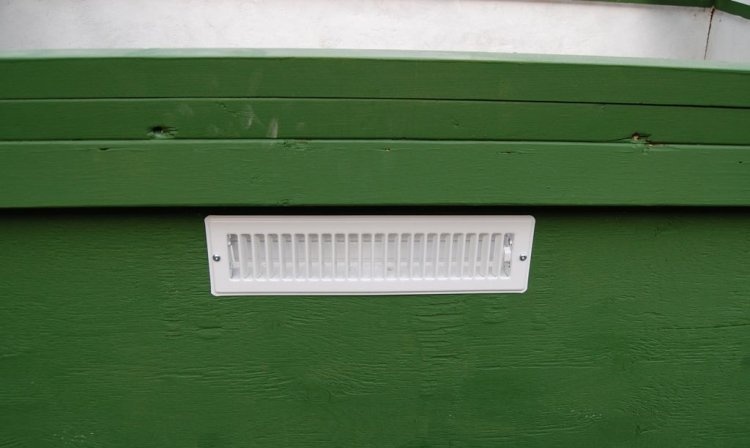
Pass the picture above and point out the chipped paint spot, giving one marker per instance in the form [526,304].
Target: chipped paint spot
[250,114]
[273,129]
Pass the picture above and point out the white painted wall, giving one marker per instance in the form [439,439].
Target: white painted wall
[516,26]
[526,26]
[730,38]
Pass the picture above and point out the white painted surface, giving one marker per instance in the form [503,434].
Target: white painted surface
[730,38]
[527,26]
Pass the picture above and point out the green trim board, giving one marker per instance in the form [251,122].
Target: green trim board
[689,3]
[733,7]
[362,74]
[354,172]
[728,6]
[634,332]
[227,118]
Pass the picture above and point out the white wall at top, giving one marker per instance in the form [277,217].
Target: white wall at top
[730,38]
[526,26]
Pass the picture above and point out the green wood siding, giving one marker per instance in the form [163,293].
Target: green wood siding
[352,172]
[635,332]
[730,6]
[699,3]
[370,74]
[304,118]
[369,128]
[734,7]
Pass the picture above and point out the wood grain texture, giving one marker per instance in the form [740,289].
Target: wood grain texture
[635,331]
[292,172]
[362,74]
[369,119]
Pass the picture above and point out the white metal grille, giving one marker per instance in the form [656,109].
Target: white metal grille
[356,256]
[338,255]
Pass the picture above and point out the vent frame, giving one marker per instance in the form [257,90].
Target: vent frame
[499,267]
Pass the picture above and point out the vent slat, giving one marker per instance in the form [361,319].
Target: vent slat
[279,240]
[463,256]
[319,256]
[293,243]
[242,256]
[397,270]
[471,262]
[269,257]
[486,257]
[507,253]
[334,243]
[372,255]
[449,263]
[360,256]
[387,253]
[423,258]
[346,256]
[411,256]
[436,273]
[255,253]
[493,270]
[309,251]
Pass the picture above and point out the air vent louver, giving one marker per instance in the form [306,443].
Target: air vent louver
[254,255]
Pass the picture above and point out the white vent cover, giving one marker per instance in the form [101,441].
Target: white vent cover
[271,255]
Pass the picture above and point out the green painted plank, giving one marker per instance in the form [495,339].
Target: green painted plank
[368,119]
[362,74]
[687,3]
[634,333]
[729,6]
[277,172]
[734,7]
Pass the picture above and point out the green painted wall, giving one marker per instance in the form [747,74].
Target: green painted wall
[635,332]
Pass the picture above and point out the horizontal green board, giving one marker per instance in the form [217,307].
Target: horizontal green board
[368,119]
[729,6]
[278,172]
[734,7]
[688,3]
[635,332]
[362,74]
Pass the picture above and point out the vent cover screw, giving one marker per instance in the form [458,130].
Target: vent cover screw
[523,257]
[216,257]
